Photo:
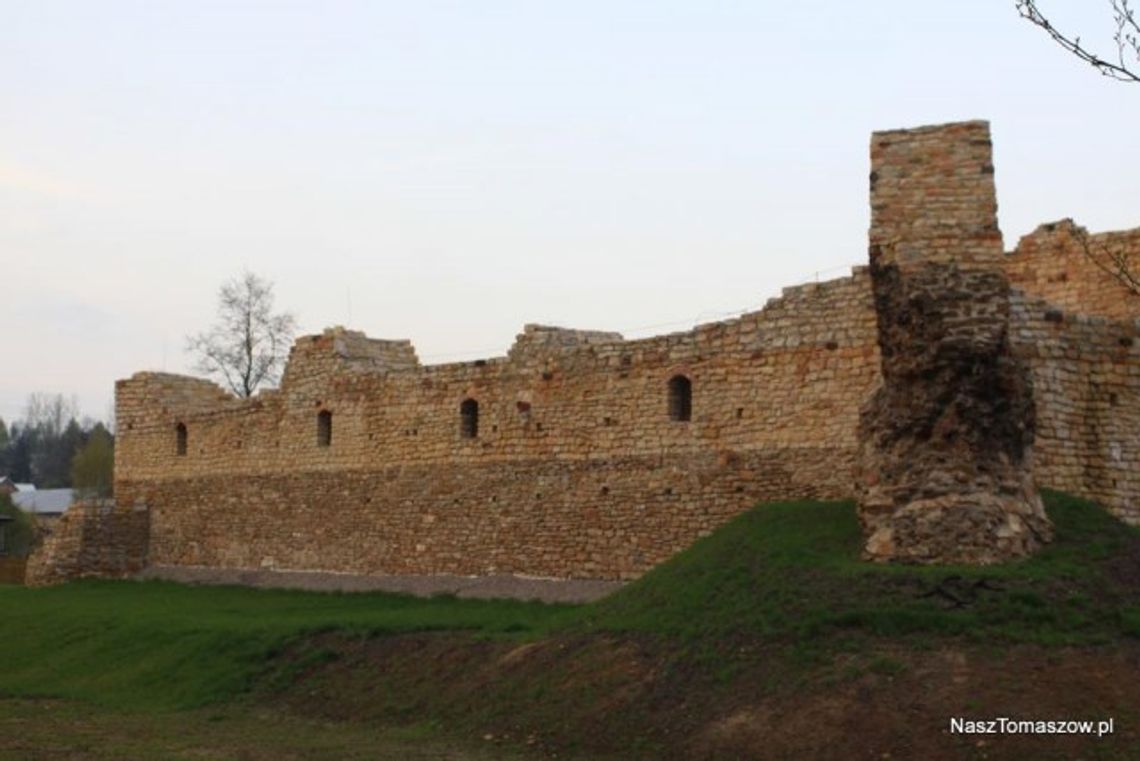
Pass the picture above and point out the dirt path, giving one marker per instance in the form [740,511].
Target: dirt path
[475,587]
[54,730]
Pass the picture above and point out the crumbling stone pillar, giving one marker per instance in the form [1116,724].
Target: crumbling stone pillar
[944,445]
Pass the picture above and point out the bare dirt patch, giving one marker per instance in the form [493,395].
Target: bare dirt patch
[1124,567]
[54,730]
[621,696]
[492,587]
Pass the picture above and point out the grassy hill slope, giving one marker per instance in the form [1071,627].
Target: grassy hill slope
[160,645]
[792,571]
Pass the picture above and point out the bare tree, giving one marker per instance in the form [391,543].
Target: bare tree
[1116,261]
[1120,66]
[50,413]
[248,344]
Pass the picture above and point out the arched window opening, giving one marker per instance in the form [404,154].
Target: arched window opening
[180,439]
[680,398]
[324,428]
[469,419]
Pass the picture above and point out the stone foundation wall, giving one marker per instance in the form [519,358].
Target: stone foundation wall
[610,519]
[91,539]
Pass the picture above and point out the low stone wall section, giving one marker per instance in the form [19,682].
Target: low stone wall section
[607,519]
[92,539]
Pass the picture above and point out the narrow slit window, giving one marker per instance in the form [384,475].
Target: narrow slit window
[324,428]
[469,419]
[680,398]
[180,439]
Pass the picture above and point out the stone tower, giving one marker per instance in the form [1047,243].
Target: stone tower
[944,463]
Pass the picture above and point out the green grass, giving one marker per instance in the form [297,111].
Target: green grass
[786,575]
[791,572]
[163,645]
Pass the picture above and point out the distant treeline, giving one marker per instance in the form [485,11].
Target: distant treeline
[52,448]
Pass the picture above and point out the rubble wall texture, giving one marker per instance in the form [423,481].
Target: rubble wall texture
[945,444]
[577,469]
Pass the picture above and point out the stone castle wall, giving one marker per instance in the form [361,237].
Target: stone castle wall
[578,468]
[1086,380]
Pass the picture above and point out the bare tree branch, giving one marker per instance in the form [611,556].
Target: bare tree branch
[1126,37]
[1116,262]
[247,346]
[50,413]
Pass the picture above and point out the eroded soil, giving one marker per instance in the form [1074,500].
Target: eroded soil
[609,696]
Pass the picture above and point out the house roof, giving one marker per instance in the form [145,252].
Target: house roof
[16,486]
[44,501]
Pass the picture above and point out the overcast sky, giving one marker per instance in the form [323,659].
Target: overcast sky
[448,171]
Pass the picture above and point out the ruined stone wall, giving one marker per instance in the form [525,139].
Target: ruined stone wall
[1053,263]
[577,469]
[1086,380]
[91,539]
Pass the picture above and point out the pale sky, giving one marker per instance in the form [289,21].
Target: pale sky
[448,171]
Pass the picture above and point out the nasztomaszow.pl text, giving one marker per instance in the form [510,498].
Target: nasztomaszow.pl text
[1007,726]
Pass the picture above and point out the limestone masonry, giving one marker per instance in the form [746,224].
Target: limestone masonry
[583,455]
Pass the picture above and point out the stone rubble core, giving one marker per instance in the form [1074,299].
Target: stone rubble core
[583,455]
[945,443]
